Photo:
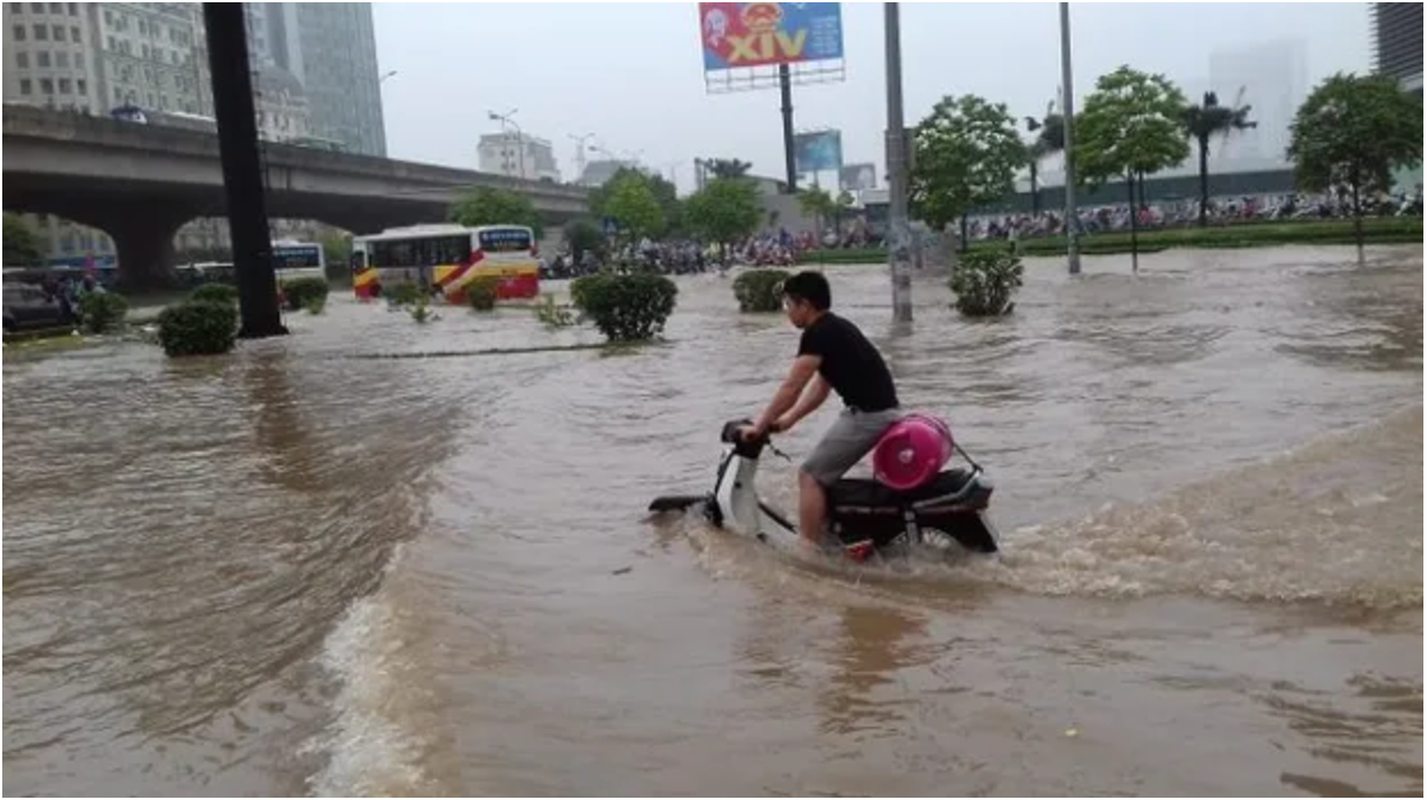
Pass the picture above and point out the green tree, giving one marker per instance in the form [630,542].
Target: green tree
[967,153]
[24,246]
[485,206]
[1050,139]
[1208,119]
[1131,126]
[727,168]
[724,210]
[582,235]
[1354,131]
[663,190]
[337,252]
[631,201]
[819,204]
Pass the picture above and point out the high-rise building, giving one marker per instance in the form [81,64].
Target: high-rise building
[315,74]
[517,155]
[1398,42]
[331,48]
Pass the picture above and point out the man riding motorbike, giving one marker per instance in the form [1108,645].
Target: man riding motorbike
[833,355]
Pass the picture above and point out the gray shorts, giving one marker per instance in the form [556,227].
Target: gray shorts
[847,440]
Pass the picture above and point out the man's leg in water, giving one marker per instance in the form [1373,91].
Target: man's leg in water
[847,440]
[812,508]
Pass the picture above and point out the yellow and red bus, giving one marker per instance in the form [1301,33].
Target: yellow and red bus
[447,258]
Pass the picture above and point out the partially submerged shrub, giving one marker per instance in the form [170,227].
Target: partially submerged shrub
[298,291]
[985,281]
[421,310]
[198,327]
[481,292]
[552,315]
[217,292]
[626,308]
[405,294]
[315,305]
[757,290]
[102,311]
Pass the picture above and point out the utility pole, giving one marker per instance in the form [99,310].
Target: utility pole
[226,31]
[785,91]
[1068,114]
[899,234]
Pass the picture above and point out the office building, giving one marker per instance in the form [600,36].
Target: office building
[517,155]
[1273,79]
[315,75]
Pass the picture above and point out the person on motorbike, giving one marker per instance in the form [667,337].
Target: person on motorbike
[833,355]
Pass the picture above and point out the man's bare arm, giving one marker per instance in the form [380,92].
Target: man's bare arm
[804,368]
[813,396]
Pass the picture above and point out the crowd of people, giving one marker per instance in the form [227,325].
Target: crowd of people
[1184,213]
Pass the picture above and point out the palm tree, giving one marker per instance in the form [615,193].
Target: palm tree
[1210,119]
[1050,139]
[727,167]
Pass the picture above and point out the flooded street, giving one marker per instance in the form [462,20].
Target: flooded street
[367,559]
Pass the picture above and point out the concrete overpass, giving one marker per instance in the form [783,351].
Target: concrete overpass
[140,183]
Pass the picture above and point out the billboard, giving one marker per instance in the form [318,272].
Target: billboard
[858,177]
[738,35]
[817,152]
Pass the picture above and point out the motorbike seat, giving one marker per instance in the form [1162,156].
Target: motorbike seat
[868,493]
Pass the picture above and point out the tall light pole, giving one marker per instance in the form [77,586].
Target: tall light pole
[580,153]
[1068,119]
[508,119]
[899,232]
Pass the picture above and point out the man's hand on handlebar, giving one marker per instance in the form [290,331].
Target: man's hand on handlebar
[750,433]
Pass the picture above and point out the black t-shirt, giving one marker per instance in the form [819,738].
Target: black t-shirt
[851,365]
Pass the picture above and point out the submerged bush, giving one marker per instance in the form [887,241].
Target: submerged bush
[626,308]
[985,281]
[102,311]
[552,315]
[405,294]
[198,327]
[298,291]
[481,292]
[216,292]
[315,305]
[757,290]
[421,310]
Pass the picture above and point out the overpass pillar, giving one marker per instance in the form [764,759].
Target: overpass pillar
[144,245]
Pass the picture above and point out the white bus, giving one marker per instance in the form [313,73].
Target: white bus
[299,260]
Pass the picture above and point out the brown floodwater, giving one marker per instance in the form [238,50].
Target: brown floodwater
[372,558]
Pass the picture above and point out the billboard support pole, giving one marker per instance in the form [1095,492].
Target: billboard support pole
[242,170]
[785,91]
[899,231]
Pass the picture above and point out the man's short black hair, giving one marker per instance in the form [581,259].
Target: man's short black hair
[810,286]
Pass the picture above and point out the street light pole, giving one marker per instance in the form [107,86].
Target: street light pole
[580,153]
[1068,119]
[899,232]
[507,119]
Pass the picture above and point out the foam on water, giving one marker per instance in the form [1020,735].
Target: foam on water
[382,733]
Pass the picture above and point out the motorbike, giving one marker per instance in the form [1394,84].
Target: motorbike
[865,517]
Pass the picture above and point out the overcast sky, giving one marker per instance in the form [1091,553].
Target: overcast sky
[632,73]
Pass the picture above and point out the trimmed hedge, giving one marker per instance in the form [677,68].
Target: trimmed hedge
[757,290]
[298,291]
[481,292]
[102,311]
[626,308]
[216,292]
[198,327]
